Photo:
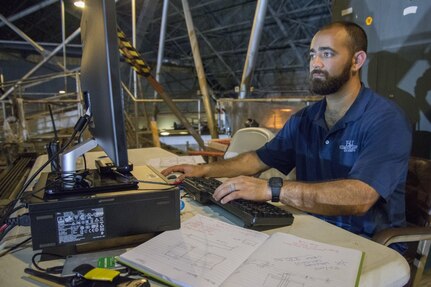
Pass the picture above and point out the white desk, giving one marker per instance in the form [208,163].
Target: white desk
[382,266]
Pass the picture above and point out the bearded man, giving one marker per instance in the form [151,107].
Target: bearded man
[350,149]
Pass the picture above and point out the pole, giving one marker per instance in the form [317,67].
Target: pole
[161,50]
[253,48]
[200,69]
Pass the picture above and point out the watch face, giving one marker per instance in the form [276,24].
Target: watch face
[276,182]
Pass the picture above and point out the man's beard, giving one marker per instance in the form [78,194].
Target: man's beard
[329,85]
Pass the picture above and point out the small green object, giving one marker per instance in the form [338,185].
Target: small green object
[106,262]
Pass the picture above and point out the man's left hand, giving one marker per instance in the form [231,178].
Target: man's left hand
[245,187]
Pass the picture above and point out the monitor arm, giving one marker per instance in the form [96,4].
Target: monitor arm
[69,157]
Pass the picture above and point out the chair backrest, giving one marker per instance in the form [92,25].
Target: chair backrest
[418,192]
[247,139]
[421,144]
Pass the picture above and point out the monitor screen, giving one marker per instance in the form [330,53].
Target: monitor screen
[101,86]
[100,79]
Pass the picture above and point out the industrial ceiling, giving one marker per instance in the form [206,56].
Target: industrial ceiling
[223,30]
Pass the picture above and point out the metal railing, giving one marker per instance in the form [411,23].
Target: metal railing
[33,119]
[272,113]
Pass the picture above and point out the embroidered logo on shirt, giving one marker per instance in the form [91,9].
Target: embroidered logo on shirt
[349,146]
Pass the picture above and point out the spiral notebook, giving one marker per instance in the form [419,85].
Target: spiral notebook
[209,252]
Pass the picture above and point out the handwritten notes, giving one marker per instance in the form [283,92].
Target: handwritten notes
[287,260]
[203,252]
[208,252]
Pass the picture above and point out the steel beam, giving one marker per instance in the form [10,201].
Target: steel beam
[40,64]
[200,69]
[35,45]
[253,48]
[160,52]
[216,53]
[29,10]
[63,37]
[169,102]
[20,33]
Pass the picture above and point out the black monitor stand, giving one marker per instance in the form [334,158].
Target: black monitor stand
[105,178]
[88,181]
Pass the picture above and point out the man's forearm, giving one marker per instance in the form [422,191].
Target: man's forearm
[340,197]
[244,164]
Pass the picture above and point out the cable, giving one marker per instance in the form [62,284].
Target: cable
[154,182]
[20,220]
[14,247]
[141,181]
[36,173]
[52,270]
[79,140]
[81,123]
[186,195]
[3,227]
[152,189]
[53,123]
[10,223]
[34,192]
[9,210]
[6,231]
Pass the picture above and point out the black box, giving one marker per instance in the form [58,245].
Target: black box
[76,219]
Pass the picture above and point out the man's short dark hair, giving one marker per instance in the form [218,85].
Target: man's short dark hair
[358,37]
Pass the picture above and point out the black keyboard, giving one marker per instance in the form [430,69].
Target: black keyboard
[254,215]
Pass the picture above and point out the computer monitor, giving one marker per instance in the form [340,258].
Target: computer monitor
[101,86]
[84,210]
[100,78]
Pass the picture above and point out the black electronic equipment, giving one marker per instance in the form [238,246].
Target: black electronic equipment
[104,178]
[254,215]
[101,86]
[73,207]
[61,224]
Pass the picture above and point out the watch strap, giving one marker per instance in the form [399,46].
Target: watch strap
[275,184]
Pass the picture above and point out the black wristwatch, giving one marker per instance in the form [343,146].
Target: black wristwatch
[275,184]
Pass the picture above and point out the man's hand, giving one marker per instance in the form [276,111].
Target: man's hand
[244,187]
[186,169]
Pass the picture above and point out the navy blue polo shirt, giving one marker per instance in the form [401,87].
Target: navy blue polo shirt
[370,143]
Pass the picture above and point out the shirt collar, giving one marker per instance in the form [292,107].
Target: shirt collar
[353,113]
[357,109]
[319,118]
